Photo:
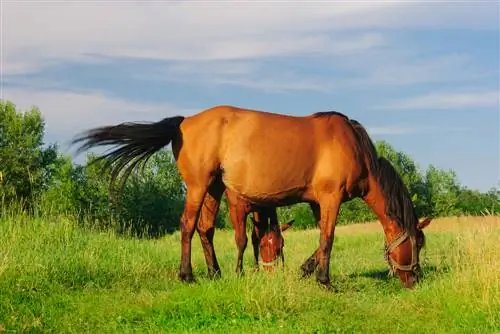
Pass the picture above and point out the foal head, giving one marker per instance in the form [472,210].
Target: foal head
[270,239]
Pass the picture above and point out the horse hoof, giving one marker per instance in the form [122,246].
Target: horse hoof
[187,278]
[308,267]
[327,286]
[216,274]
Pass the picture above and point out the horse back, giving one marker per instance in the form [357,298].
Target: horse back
[264,156]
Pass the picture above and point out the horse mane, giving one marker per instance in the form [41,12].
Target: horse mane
[366,145]
[399,206]
[398,202]
[329,113]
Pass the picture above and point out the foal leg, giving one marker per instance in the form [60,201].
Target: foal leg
[311,263]
[329,211]
[206,226]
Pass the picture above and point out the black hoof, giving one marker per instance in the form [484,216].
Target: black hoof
[308,267]
[187,278]
[214,274]
[328,287]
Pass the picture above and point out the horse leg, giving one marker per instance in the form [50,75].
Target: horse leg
[256,245]
[329,208]
[206,226]
[194,200]
[310,264]
[238,218]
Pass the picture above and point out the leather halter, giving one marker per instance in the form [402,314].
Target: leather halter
[273,262]
[268,263]
[395,243]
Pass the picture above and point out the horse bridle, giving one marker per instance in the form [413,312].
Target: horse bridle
[395,243]
[273,262]
[269,263]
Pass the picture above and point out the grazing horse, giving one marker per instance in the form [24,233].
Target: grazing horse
[270,159]
[267,239]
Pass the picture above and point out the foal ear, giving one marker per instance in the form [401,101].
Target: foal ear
[284,227]
[424,223]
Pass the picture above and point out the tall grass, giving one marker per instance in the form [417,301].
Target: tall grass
[56,276]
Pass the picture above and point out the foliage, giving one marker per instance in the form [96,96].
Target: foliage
[26,165]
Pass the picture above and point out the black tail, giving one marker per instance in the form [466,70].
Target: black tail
[136,143]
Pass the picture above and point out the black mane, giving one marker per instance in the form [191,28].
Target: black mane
[397,197]
[329,113]
[399,206]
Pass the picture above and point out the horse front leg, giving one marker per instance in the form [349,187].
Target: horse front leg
[238,216]
[329,208]
[310,264]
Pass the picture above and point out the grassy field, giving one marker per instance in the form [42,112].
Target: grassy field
[55,277]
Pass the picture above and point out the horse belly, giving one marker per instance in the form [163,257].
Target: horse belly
[267,178]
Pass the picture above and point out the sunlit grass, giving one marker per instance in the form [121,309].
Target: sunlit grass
[57,277]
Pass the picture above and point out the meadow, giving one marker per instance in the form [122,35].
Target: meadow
[58,277]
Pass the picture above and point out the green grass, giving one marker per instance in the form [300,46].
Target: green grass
[56,277]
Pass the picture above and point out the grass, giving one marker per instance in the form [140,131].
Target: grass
[56,277]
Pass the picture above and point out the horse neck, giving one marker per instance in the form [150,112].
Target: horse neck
[377,202]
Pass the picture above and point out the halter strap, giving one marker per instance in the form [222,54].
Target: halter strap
[268,263]
[396,242]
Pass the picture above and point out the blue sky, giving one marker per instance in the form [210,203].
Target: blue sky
[423,76]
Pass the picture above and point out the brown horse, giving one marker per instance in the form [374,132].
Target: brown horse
[275,160]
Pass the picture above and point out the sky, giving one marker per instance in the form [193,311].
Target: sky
[423,76]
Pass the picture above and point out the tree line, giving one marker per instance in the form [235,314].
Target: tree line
[39,179]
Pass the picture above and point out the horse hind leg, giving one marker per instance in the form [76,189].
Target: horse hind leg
[238,214]
[206,226]
[255,245]
[194,199]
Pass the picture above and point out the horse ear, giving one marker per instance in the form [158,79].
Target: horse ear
[286,226]
[424,223]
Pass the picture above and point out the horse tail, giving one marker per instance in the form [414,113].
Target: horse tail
[135,143]
[366,144]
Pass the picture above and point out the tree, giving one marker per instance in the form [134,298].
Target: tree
[25,163]
[442,191]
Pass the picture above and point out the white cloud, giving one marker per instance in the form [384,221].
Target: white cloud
[35,34]
[392,69]
[460,100]
[399,70]
[67,113]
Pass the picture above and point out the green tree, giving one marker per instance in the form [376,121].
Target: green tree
[473,202]
[442,191]
[26,165]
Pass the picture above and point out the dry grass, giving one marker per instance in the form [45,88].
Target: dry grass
[448,224]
